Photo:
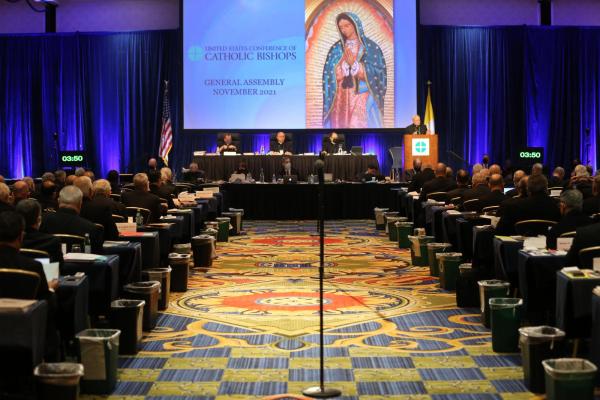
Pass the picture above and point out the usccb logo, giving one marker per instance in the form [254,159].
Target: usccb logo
[195,53]
[420,147]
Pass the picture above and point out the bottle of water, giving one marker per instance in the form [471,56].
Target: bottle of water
[139,220]
[274,179]
[87,244]
[261,177]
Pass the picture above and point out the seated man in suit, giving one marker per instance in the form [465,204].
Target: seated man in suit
[20,191]
[416,127]
[558,178]
[587,236]
[227,144]
[537,205]
[193,174]
[496,194]
[440,183]
[517,176]
[156,188]
[12,227]
[426,174]
[286,168]
[332,144]
[5,199]
[141,197]
[166,176]
[409,174]
[66,219]
[113,178]
[478,189]
[537,169]
[581,181]
[31,211]
[462,184]
[61,178]
[98,212]
[152,165]
[47,195]
[591,205]
[280,145]
[571,203]
[101,190]
[372,174]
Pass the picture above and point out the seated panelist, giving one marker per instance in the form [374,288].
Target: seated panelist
[281,145]
[227,144]
[286,168]
[332,145]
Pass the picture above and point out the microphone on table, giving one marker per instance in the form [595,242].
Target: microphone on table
[320,166]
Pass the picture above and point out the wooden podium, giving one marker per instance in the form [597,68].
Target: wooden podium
[424,147]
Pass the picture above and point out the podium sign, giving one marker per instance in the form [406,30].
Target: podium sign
[424,147]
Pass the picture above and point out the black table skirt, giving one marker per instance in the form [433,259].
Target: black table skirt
[345,167]
[299,201]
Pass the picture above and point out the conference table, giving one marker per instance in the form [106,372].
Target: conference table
[574,303]
[299,201]
[344,167]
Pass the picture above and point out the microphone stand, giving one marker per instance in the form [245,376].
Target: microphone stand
[320,392]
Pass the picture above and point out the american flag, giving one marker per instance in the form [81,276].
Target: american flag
[166,134]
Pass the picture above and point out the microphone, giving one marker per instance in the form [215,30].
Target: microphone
[319,166]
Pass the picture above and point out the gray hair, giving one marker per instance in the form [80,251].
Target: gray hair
[166,174]
[476,168]
[79,172]
[559,171]
[31,210]
[4,192]
[537,169]
[140,181]
[70,196]
[48,176]
[581,171]
[478,179]
[84,184]
[101,188]
[573,199]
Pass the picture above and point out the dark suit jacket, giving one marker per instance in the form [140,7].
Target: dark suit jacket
[585,188]
[10,258]
[367,177]
[67,221]
[532,207]
[138,198]
[99,211]
[591,205]
[412,128]
[6,207]
[331,148]
[409,174]
[285,146]
[163,193]
[458,192]
[282,173]
[586,236]
[476,193]
[437,184]
[493,198]
[555,182]
[569,223]
[115,188]
[420,178]
[193,177]
[43,241]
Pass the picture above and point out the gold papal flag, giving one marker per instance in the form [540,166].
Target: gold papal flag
[429,120]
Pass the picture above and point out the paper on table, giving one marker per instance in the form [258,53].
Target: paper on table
[538,242]
[82,257]
[126,227]
[564,243]
[113,243]
[453,212]
[51,271]
[555,193]
[212,189]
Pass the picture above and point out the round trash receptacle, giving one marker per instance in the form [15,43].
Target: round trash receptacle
[432,250]
[58,381]
[202,246]
[379,220]
[149,292]
[241,212]
[448,264]
[569,378]
[539,343]
[98,352]
[505,319]
[391,227]
[128,316]
[418,249]
[180,271]
[162,275]
[487,290]
[182,248]
[404,231]
[223,229]
[386,215]
[236,221]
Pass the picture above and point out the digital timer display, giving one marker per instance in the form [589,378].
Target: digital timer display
[531,154]
[72,158]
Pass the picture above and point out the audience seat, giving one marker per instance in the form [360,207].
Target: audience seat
[437,196]
[70,240]
[33,253]
[533,227]
[18,284]
[491,210]
[472,205]
[587,255]
[132,212]
[118,218]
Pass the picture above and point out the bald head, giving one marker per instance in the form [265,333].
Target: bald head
[417,163]
[479,179]
[517,176]
[495,169]
[140,181]
[537,169]
[84,184]
[496,182]
[4,193]
[20,191]
[416,119]
[440,169]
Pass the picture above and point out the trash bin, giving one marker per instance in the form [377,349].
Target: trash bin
[58,381]
[239,211]
[236,221]
[127,316]
[180,271]
[162,275]
[182,248]
[569,378]
[539,343]
[386,215]
[432,250]
[379,220]
[98,351]
[467,294]
[505,319]
[210,232]
[149,292]
[202,248]
[418,249]
[404,231]
[391,227]
[595,345]
[448,264]
[223,230]
[487,290]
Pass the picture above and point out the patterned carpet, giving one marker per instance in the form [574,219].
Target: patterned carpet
[248,326]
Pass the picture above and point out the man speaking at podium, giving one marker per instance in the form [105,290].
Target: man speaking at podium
[416,128]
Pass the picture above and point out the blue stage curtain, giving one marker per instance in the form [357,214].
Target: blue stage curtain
[498,89]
